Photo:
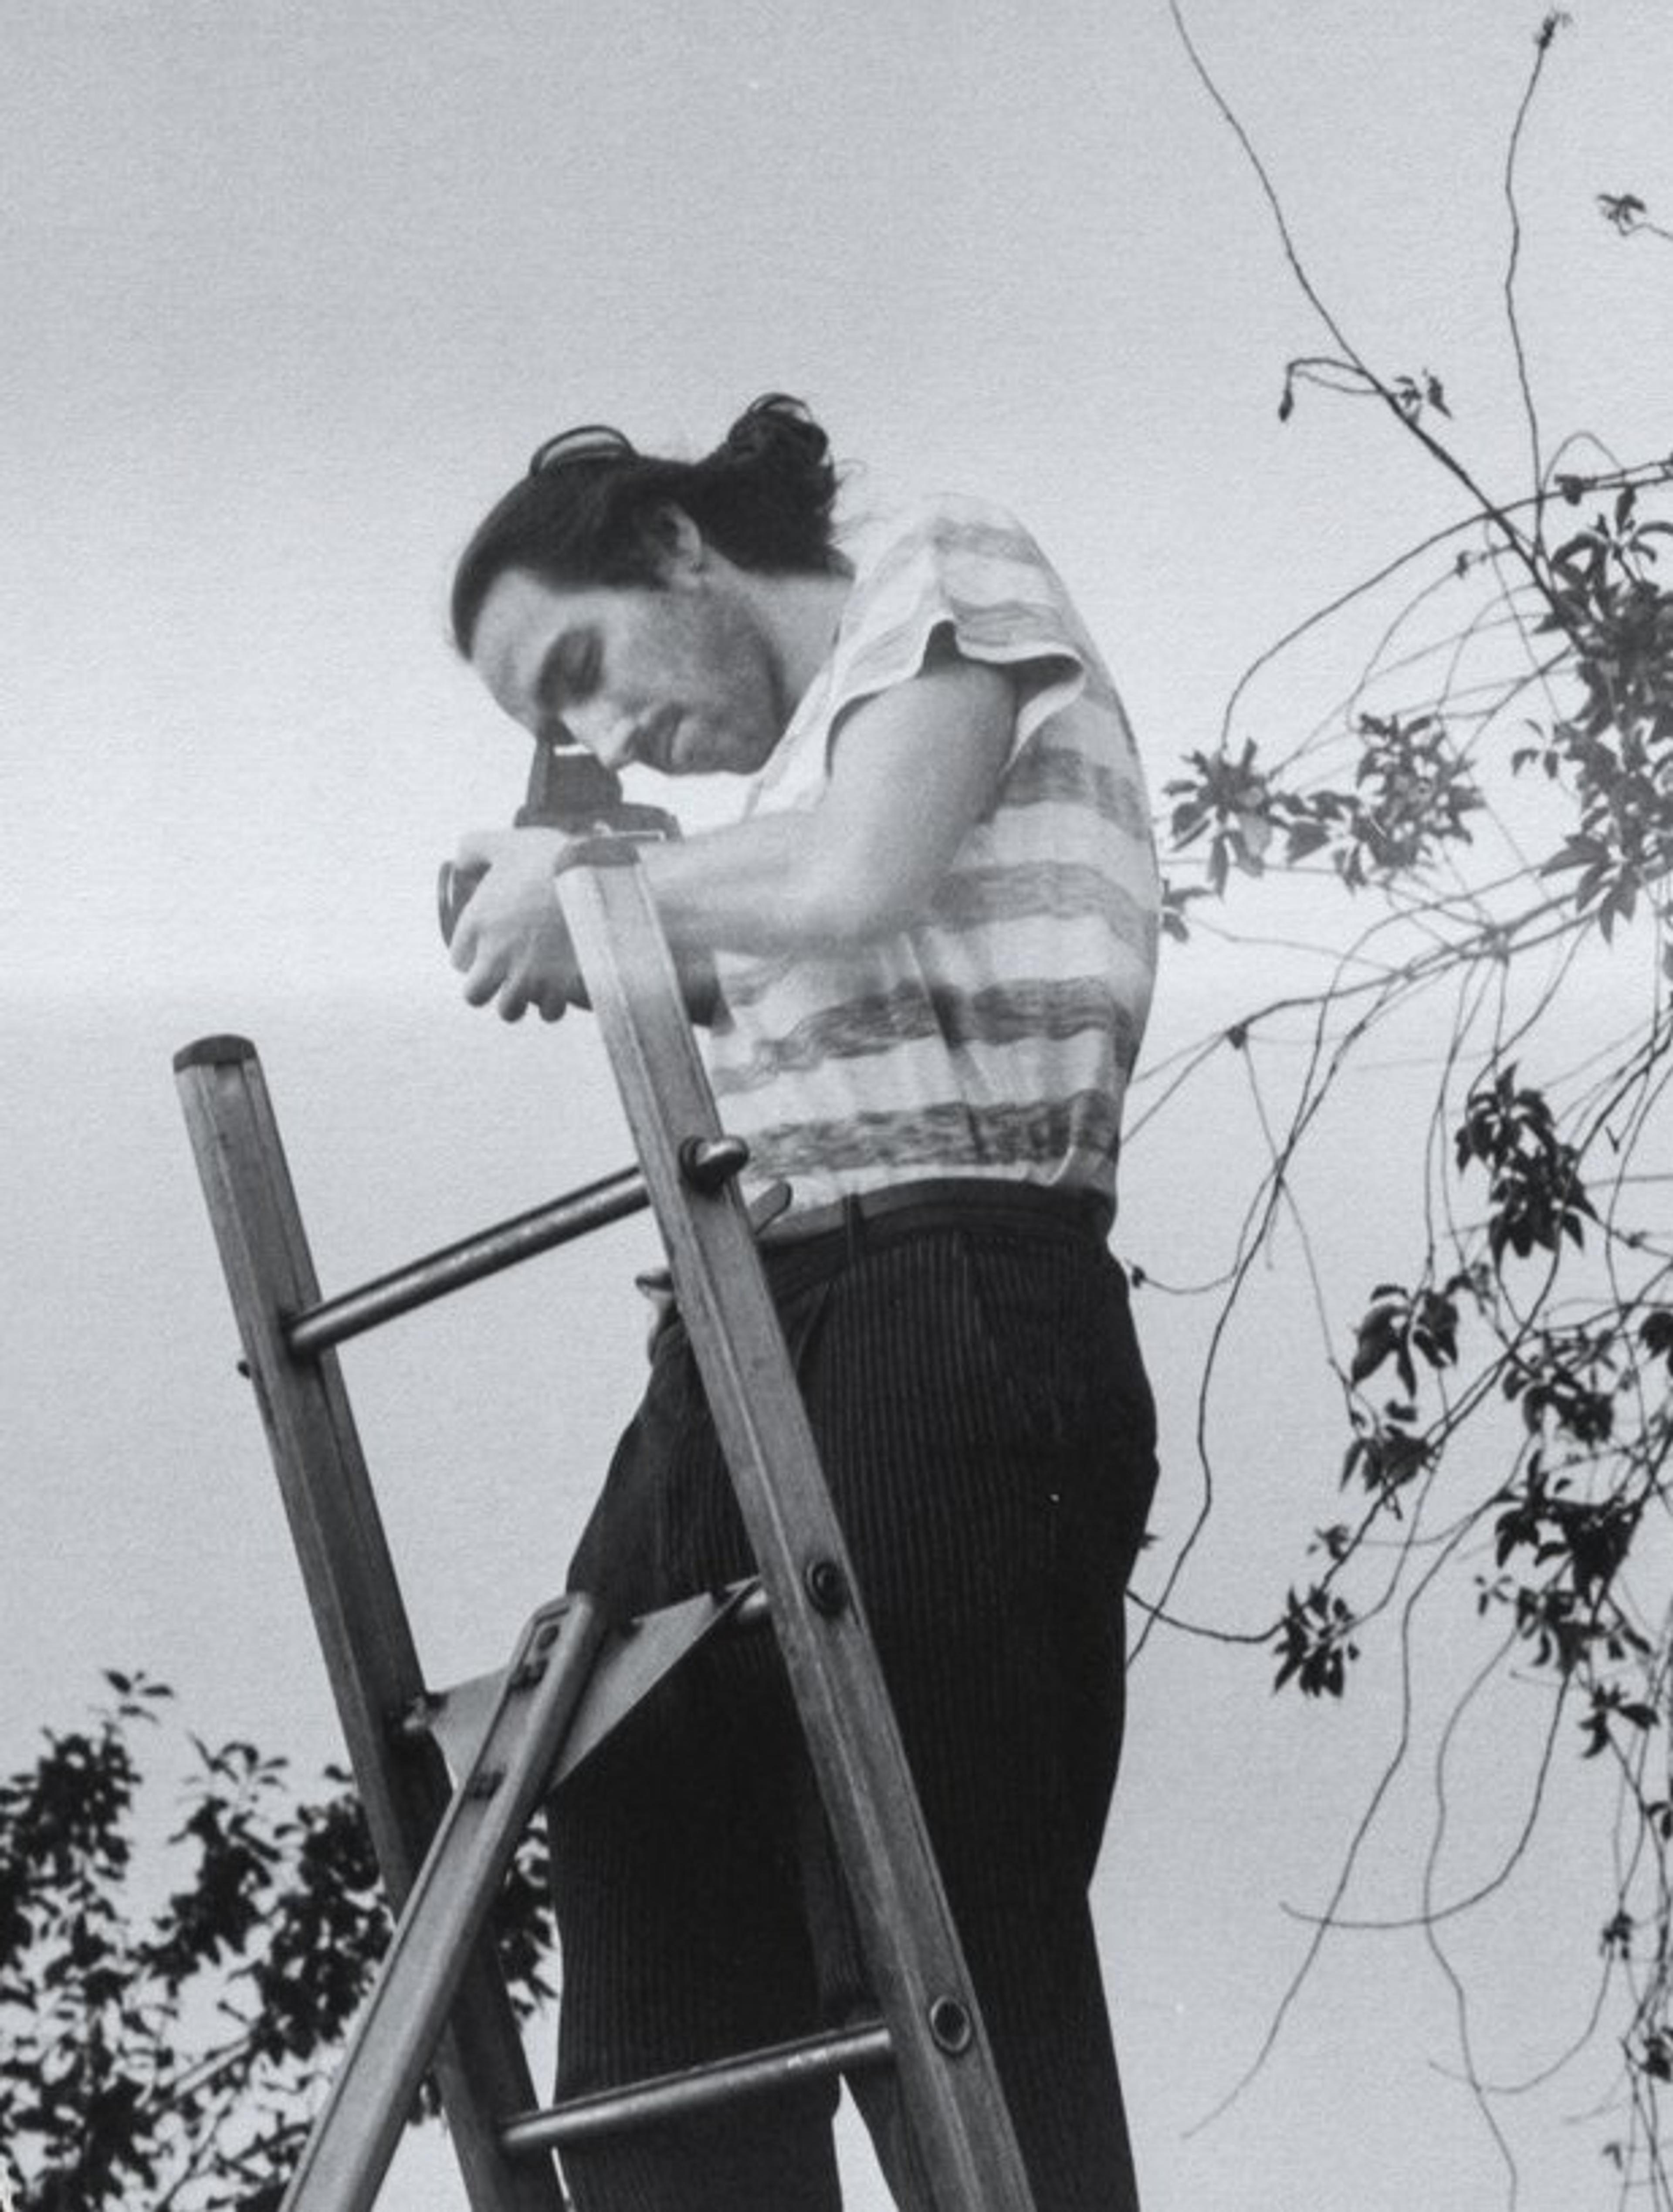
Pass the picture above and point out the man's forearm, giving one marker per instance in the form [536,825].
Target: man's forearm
[915,768]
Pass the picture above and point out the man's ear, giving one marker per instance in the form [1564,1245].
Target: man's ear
[682,552]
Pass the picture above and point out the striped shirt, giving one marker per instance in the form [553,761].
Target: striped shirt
[996,1036]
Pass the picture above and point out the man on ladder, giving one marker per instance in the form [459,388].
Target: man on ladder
[933,930]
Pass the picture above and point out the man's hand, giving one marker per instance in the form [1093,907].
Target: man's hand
[511,944]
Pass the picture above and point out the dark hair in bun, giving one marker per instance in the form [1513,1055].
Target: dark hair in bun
[592,511]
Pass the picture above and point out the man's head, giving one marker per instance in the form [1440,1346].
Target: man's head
[629,601]
[592,511]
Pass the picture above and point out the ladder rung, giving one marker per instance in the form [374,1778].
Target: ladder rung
[611,1199]
[669,2096]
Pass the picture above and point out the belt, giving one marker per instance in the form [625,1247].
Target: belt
[949,1201]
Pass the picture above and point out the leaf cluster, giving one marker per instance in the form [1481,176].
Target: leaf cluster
[1536,1191]
[1409,801]
[1616,745]
[1316,1643]
[1406,1326]
[171,2052]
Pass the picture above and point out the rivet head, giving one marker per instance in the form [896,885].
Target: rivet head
[827,1585]
[950,2025]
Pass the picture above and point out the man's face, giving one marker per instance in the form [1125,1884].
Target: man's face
[681,678]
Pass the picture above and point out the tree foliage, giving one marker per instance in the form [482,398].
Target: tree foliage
[168,2022]
[1494,800]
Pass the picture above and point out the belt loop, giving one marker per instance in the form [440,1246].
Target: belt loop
[854,1229]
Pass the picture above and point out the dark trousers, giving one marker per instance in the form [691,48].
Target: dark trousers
[987,1433]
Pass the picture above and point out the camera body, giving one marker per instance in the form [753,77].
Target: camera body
[569,790]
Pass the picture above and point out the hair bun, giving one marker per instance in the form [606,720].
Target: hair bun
[775,427]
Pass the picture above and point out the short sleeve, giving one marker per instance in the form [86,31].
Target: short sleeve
[968,574]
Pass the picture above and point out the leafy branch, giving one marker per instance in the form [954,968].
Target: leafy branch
[171,2052]
[1497,786]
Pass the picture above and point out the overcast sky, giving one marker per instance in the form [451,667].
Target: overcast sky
[289,292]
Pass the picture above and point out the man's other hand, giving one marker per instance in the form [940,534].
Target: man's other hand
[511,945]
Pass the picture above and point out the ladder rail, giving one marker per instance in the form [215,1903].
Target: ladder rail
[945,2061]
[363,1626]
[352,2140]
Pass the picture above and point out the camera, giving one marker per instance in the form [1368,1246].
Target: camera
[570,790]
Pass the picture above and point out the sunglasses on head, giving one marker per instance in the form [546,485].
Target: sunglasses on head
[587,441]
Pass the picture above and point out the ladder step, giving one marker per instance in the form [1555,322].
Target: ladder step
[559,1222]
[632,1661]
[672,2096]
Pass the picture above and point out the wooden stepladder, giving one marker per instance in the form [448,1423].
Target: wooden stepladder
[510,1739]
